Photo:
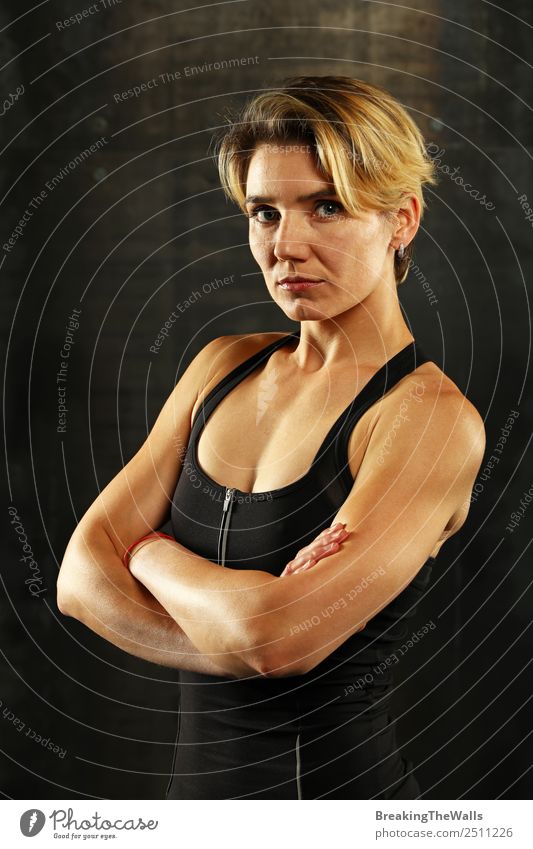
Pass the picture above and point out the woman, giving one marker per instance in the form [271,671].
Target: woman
[316,473]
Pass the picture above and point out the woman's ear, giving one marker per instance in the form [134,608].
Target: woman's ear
[407,220]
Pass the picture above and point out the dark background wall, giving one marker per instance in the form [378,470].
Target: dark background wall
[134,226]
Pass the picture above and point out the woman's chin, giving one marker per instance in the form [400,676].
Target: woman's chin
[303,311]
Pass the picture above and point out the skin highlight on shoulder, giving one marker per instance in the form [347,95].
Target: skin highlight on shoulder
[226,353]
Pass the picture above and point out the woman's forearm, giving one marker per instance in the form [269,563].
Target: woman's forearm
[217,607]
[95,588]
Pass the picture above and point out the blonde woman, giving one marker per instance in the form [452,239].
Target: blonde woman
[312,475]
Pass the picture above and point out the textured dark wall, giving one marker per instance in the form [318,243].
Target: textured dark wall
[139,224]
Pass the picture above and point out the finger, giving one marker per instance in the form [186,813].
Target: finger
[324,548]
[331,536]
[337,533]
[318,548]
[338,526]
[338,538]
[321,554]
[329,546]
[314,551]
[306,565]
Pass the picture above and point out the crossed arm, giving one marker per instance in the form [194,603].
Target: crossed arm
[400,508]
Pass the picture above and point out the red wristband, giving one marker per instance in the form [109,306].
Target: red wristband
[126,556]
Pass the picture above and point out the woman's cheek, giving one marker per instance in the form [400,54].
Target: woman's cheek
[260,249]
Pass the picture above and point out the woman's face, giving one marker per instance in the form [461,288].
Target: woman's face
[291,234]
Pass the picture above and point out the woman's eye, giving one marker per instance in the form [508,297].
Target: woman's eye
[334,209]
[255,213]
[330,203]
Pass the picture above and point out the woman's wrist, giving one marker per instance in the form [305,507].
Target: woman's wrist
[140,543]
[133,561]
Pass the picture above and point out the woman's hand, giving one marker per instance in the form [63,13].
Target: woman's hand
[326,543]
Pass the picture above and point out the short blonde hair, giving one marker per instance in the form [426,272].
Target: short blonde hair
[363,140]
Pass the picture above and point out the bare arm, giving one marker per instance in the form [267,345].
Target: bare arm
[113,604]
[398,512]
[397,520]
[220,609]
[93,585]
[217,607]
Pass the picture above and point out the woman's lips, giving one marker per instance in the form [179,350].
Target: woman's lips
[301,285]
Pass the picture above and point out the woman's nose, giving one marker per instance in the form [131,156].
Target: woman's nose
[292,239]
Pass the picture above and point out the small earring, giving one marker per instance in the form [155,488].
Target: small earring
[401,251]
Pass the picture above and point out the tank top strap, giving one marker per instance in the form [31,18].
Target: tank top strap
[398,367]
[215,396]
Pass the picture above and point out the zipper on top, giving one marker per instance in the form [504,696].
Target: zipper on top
[224,525]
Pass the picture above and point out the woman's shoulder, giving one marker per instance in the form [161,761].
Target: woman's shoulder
[443,431]
[437,405]
[444,392]
[440,394]
[224,353]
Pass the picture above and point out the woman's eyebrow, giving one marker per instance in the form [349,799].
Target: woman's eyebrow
[326,190]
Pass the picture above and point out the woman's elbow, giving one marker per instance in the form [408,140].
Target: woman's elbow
[278,656]
[66,593]
[72,580]
[64,588]
[273,647]
[63,604]
[277,664]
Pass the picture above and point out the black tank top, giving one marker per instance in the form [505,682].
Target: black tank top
[273,738]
